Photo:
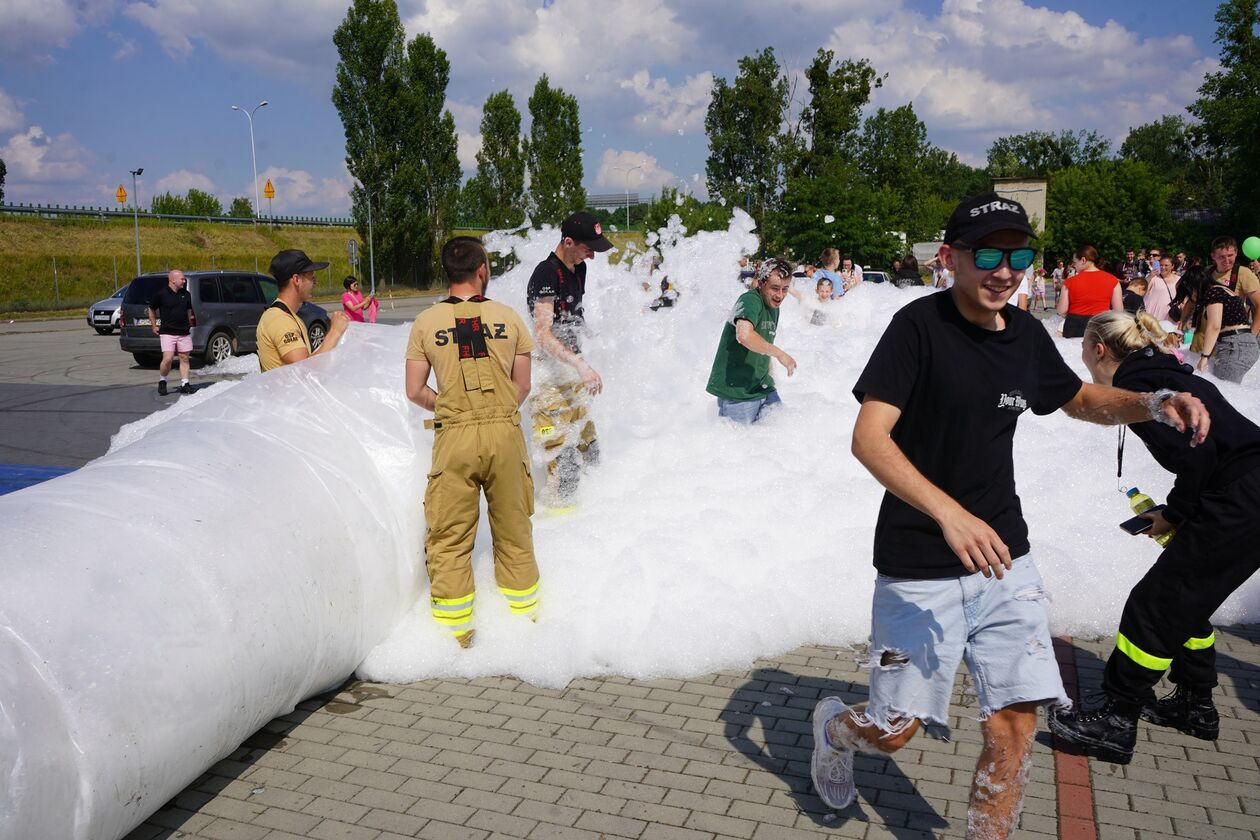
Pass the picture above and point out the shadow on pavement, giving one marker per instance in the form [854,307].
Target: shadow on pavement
[768,720]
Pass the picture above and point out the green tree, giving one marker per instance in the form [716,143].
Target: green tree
[367,94]
[553,153]
[1036,154]
[501,163]
[695,215]
[833,116]
[894,153]
[4,171]
[241,208]
[1111,205]
[1228,109]
[1170,147]
[203,204]
[746,150]
[169,204]
[836,209]
[429,171]
[471,204]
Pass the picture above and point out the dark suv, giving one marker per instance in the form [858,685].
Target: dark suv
[227,306]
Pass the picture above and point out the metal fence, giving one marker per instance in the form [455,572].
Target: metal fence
[55,211]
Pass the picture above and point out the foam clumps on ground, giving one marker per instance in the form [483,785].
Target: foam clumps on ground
[699,545]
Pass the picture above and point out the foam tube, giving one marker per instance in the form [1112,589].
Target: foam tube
[170,598]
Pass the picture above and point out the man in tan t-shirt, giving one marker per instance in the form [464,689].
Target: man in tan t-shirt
[282,336]
[1224,256]
[478,351]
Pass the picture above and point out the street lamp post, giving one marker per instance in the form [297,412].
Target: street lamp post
[135,210]
[628,170]
[371,250]
[249,115]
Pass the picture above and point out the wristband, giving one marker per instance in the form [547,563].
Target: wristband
[1154,403]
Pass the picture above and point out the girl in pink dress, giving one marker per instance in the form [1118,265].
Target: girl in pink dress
[356,306]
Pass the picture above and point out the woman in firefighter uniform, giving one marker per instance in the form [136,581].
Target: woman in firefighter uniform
[478,351]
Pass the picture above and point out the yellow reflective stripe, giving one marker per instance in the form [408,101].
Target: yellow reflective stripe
[1201,644]
[517,594]
[451,602]
[1140,656]
[456,623]
[524,608]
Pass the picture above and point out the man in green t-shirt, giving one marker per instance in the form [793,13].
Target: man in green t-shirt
[741,378]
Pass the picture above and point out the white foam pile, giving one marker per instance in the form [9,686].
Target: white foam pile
[261,539]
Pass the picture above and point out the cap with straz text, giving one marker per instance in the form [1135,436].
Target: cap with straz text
[980,215]
[585,228]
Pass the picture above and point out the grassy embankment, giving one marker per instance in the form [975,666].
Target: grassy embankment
[87,250]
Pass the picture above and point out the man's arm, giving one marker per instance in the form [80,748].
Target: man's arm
[153,319]
[544,317]
[521,366]
[978,546]
[747,336]
[336,329]
[417,379]
[1109,406]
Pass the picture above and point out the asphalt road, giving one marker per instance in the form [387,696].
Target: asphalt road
[64,390]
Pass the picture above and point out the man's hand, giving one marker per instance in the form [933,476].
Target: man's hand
[786,360]
[155,330]
[977,545]
[1160,525]
[1186,411]
[338,323]
[591,380]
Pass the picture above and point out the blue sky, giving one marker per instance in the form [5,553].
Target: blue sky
[90,89]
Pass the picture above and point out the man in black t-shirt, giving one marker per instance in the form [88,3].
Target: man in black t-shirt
[940,397]
[564,382]
[171,305]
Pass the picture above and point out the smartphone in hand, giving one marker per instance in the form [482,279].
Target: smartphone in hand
[1138,524]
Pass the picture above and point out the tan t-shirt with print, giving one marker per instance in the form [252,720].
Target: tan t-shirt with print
[279,332]
[433,338]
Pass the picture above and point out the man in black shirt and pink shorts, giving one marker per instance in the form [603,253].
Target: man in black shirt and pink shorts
[171,314]
[940,397]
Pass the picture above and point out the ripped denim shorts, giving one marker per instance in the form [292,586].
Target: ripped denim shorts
[922,629]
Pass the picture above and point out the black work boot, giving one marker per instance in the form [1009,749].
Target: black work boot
[162,387]
[1107,733]
[1188,710]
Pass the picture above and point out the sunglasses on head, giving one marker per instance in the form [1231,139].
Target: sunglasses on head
[987,259]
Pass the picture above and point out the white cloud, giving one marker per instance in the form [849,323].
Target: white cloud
[467,147]
[636,171]
[298,192]
[671,109]
[126,46]
[11,118]
[182,181]
[36,157]
[31,27]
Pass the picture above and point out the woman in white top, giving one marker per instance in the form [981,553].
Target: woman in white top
[1161,288]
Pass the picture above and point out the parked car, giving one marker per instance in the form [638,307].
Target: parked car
[227,306]
[874,276]
[102,316]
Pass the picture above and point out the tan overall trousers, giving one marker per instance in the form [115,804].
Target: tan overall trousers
[478,445]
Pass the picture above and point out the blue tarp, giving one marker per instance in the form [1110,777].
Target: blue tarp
[17,476]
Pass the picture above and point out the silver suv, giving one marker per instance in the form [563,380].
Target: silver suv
[227,306]
[102,316]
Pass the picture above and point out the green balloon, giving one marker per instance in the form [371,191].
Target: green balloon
[1251,247]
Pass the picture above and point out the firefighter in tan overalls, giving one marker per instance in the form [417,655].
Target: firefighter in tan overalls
[478,351]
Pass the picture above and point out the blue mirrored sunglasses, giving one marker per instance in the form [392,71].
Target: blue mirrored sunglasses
[987,259]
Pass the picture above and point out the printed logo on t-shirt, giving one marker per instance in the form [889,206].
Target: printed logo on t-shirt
[289,338]
[1014,401]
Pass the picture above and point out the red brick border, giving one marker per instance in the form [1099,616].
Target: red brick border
[1073,787]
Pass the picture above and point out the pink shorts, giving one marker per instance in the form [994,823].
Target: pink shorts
[176,343]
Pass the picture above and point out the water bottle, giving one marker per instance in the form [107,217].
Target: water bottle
[1141,503]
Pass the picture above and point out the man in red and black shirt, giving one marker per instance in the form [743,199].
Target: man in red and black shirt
[564,380]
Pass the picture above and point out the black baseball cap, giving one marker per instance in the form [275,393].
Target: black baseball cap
[291,261]
[585,228]
[980,215]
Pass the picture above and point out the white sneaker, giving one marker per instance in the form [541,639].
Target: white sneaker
[831,768]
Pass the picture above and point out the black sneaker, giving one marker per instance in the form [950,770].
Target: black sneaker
[1108,733]
[161,387]
[186,388]
[1187,711]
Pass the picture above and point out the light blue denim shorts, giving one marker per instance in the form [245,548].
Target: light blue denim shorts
[922,629]
[747,412]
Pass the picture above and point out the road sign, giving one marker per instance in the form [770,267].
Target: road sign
[352,248]
[269,191]
[121,195]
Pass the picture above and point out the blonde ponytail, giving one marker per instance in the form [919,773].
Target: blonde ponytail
[1122,333]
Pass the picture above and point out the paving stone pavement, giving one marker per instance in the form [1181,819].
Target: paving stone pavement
[723,755]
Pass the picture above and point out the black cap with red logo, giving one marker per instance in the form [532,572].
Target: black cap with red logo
[585,228]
